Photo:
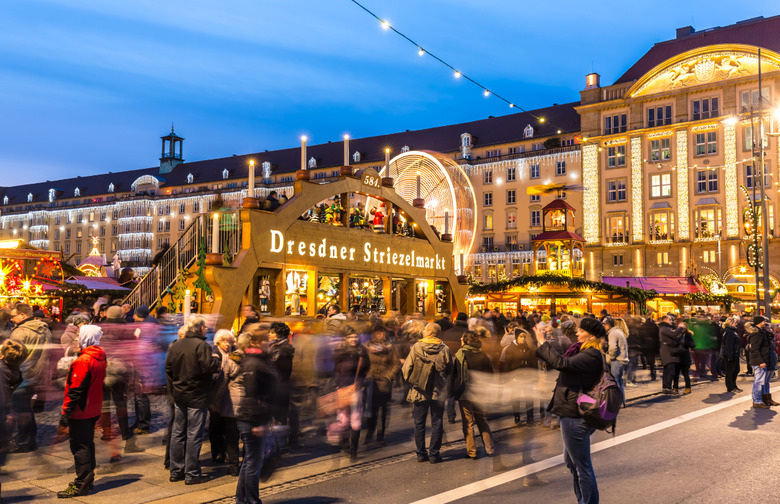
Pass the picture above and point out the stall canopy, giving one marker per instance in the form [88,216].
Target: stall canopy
[662,285]
[99,283]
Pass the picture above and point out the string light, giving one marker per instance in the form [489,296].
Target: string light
[590,196]
[487,93]
[422,51]
[682,185]
[637,226]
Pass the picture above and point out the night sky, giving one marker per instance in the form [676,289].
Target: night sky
[89,86]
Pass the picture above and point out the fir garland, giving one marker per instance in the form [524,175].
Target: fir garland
[705,298]
[634,294]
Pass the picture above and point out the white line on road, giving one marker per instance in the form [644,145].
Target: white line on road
[542,465]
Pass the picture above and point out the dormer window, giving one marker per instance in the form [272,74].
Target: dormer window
[52,194]
[465,140]
[29,198]
[225,174]
[405,148]
[266,169]
[312,163]
[111,187]
[76,192]
[356,157]
[528,132]
[190,178]
[5,200]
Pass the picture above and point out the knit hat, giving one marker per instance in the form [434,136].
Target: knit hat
[89,335]
[461,316]
[142,311]
[593,327]
[758,319]
[545,318]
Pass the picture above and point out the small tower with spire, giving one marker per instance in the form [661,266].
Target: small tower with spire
[171,151]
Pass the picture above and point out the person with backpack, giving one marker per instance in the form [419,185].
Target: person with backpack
[427,369]
[471,361]
[580,368]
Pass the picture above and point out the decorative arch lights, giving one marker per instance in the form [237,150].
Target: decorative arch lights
[145,180]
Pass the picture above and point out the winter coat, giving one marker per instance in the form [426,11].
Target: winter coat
[761,344]
[435,350]
[671,343]
[70,338]
[346,359]
[260,379]
[281,353]
[11,379]
[578,373]
[730,347]
[222,400]
[445,323]
[84,385]
[649,338]
[467,360]
[515,356]
[36,336]
[384,366]
[235,385]
[454,333]
[189,367]
[618,346]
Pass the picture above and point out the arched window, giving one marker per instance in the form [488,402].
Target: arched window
[312,163]
[190,178]
[52,195]
[225,174]
[465,140]
[111,187]
[5,200]
[29,197]
[528,132]
[77,192]
[356,157]
[266,169]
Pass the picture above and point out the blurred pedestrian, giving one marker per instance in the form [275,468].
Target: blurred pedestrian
[472,364]
[223,429]
[521,354]
[351,367]
[729,352]
[384,367]
[763,359]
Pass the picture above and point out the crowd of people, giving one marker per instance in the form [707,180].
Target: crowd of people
[253,390]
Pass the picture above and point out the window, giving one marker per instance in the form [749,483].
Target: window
[102,216]
[182,208]
[616,190]
[511,197]
[196,206]
[560,168]
[660,150]
[709,256]
[617,123]
[79,232]
[511,174]
[616,229]
[80,218]
[138,227]
[487,177]
[487,222]
[181,225]
[751,173]
[493,153]
[78,247]
[487,243]
[662,258]
[659,116]
[167,226]
[535,173]
[707,181]
[91,216]
[536,218]
[511,220]
[528,132]
[661,225]
[661,185]
[616,156]
[56,234]
[159,226]
[57,220]
[514,150]
[750,99]
[707,222]
[617,259]
[488,199]
[535,198]
[704,108]
[749,144]
[67,248]
[113,230]
[478,270]
[102,230]
[706,143]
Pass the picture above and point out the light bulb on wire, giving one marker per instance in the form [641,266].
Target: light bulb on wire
[487,93]
[421,52]
[457,74]
[385,25]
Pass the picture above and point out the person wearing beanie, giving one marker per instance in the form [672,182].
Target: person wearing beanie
[114,315]
[81,408]
[763,360]
[580,369]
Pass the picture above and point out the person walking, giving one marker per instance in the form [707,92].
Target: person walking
[255,411]
[729,352]
[223,429]
[650,344]
[470,362]
[81,407]
[281,352]
[617,355]
[520,354]
[351,367]
[580,369]
[384,368]
[427,370]
[671,339]
[763,360]
[189,367]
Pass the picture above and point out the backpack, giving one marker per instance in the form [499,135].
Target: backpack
[422,373]
[600,406]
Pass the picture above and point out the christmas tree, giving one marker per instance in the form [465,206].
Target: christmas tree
[179,289]
[200,281]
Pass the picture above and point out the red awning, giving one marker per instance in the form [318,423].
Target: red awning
[662,285]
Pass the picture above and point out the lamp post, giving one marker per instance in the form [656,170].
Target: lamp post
[760,173]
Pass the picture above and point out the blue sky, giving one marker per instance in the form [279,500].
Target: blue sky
[89,86]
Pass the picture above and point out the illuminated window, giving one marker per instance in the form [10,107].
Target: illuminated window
[707,181]
[750,99]
[662,258]
[478,271]
[659,116]
[616,156]
[616,190]
[704,108]
[708,222]
[661,185]
[660,150]
[662,225]
[706,143]
[616,229]
[487,221]
[79,232]
[709,256]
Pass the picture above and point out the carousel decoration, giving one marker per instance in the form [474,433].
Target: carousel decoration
[93,265]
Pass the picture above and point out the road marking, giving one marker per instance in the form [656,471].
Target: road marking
[521,472]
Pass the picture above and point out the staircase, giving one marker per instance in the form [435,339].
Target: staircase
[183,254]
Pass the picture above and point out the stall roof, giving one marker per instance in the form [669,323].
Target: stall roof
[662,285]
[102,283]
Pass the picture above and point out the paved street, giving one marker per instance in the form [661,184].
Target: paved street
[682,449]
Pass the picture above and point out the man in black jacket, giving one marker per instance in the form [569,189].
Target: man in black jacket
[189,367]
[452,338]
[648,335]
[763,359]
[281,353]
[671,350]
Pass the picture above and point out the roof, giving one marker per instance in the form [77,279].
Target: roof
[485,132]
[558,204]
[558,235]
[662,285]
[759,31]
[104,283]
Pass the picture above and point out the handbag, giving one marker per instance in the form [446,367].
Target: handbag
[340,398]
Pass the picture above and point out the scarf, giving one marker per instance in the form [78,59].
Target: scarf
[580,346]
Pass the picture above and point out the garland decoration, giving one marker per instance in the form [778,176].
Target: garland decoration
[705,298]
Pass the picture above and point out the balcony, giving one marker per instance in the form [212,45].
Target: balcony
[520,155]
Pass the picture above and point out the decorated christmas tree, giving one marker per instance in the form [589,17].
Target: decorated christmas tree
[178,291]
[200,280]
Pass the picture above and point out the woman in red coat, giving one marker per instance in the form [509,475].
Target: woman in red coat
[82,406]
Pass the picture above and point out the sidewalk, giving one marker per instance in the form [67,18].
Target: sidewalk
[141,478]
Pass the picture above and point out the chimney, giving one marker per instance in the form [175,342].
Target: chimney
[685,31]
[592,81]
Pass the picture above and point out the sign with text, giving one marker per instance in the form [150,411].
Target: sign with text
[372,179]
